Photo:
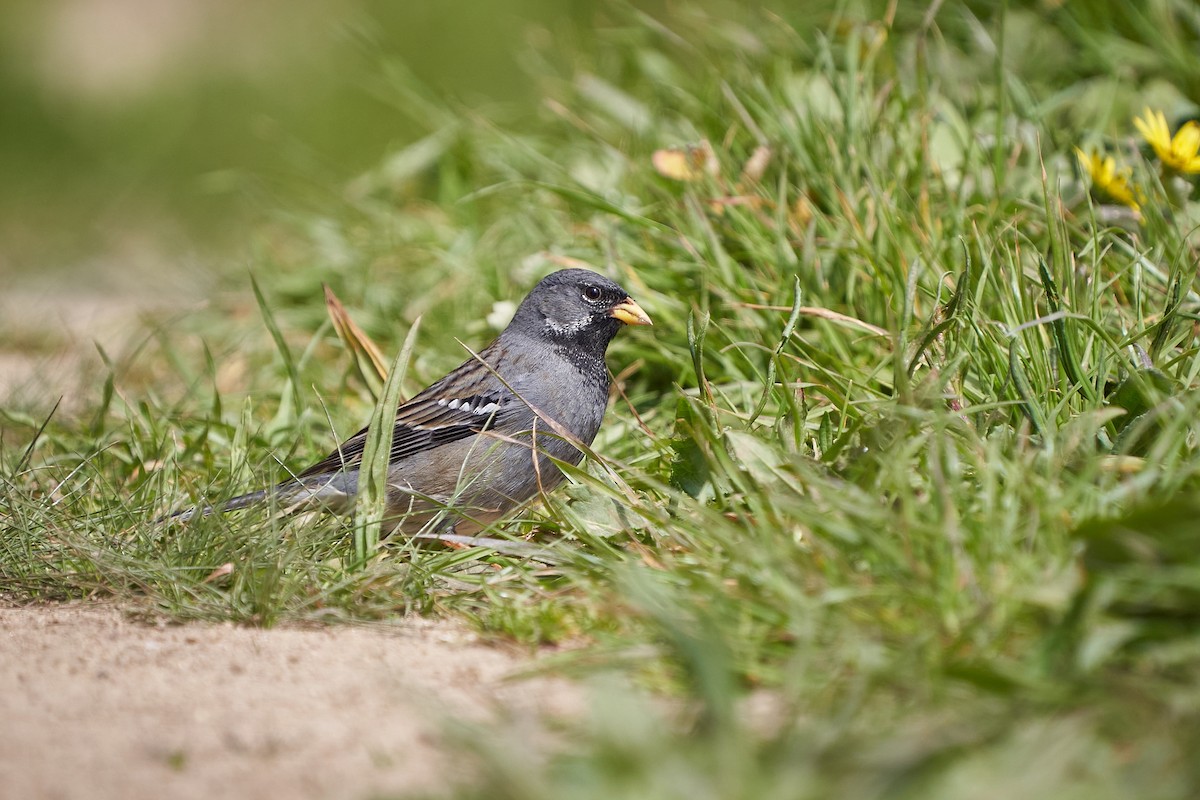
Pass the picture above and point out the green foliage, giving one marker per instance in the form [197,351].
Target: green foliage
[912,446]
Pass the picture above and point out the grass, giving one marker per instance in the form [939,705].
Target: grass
[911,451]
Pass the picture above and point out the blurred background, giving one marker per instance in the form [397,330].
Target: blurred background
[137,132]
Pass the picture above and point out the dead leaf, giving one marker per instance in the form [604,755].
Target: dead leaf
[690,163]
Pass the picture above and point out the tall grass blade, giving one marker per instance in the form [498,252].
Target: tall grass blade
[370,506]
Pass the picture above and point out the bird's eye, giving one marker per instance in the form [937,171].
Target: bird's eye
[591,293]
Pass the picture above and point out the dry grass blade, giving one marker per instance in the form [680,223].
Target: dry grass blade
[368,358]
[823,313]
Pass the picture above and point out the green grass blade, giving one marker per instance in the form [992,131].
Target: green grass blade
[370,507]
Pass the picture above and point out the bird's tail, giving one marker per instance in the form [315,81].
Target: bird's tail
[241,501]
[330,491]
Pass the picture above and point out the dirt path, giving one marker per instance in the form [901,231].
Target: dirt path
[97,705]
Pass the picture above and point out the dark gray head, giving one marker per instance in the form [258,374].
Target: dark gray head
[578,310]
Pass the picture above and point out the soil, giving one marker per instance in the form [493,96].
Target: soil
[97,704]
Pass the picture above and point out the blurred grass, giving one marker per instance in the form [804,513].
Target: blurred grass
[943,534]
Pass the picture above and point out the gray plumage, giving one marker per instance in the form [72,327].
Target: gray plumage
[482,441]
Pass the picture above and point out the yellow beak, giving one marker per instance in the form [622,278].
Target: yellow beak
[630,313]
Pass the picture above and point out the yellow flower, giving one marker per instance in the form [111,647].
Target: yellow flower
[1179,153]
[1108,179]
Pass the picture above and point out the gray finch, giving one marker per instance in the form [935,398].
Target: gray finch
[482,441]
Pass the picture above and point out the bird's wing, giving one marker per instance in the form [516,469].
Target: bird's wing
[425,422]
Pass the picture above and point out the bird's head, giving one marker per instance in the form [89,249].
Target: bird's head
[578,308]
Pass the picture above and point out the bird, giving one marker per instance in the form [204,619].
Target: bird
[483,441]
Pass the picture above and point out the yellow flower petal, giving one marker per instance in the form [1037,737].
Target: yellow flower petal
[1108,170]
[1185,146]
[1086,162]
[1181,153]
[1188,137]
[1107,179]
[1154,129]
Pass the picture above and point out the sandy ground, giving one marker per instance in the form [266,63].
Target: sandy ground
[96,704]
[50,336]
